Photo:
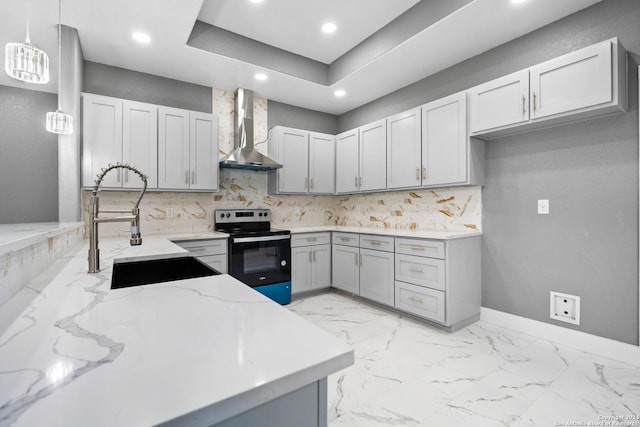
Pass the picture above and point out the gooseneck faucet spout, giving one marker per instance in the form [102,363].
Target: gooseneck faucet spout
[94,219]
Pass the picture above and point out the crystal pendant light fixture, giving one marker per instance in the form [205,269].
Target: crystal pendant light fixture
[25,62]
[58,121]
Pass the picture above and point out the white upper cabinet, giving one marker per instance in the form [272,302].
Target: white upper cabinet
[203,151]
[404,150]
[347,167]
[445,144]
[579,85]
[308,162]
[140,142]
[322,163]
[373,157]
[173,148]
[500,102]
[118,131]
[187,150]
[101,139]
[577,80]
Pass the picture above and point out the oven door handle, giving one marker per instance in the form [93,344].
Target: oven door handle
[259,239]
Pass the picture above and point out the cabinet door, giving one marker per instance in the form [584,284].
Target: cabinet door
[345,272]
[444,141]
[347,162]
[403,150]
[577,80]
[101,139]
[320,266]
[376,276]
[203,151]
[173,148]
[500,102]
[300,269]
[373,156]
[322,163]
[293,155]
[140,142]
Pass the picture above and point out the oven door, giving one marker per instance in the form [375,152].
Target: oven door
[260,260]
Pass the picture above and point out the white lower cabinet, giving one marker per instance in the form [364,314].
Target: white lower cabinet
[376,276]
[366,267]
[311,262]
[212,252]
[421,301]
[345,271]
[439,280]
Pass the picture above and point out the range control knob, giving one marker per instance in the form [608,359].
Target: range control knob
[221,215]
[228,215]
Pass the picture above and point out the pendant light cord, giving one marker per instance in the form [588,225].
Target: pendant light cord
[59,51]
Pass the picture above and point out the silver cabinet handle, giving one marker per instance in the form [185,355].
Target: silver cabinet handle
[344,239]
[306,183]
[424,173]
[417,174]
[314,256]
[311,183]
[311,239]
[356,182]
[416,270]
[524,100]
[193,177]
[360,182]
[310,256]
[417,248]
[375,242]
[186,177]
[360,260]
[356,258]
[416,299]
[534,102]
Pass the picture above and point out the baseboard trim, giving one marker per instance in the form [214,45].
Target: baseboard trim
[604,347]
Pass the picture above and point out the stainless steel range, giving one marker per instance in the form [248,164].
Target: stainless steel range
[258,255]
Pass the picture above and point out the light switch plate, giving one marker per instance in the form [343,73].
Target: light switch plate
[543,207]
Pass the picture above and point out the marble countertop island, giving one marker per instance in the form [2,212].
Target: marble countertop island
[190,352]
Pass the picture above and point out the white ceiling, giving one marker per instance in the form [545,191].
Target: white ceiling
[105,34]
[295,25]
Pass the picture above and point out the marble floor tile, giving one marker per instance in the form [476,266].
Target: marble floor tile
[408,373]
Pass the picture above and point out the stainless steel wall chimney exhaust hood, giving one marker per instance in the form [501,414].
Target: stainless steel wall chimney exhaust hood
[244,155]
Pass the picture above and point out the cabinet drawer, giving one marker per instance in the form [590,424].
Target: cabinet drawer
[420,247]
[378,243]
[219,262]
[421,271]
[203,247]
[307,239]
[420,301]
[347,239]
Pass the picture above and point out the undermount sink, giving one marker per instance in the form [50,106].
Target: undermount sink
[136,273]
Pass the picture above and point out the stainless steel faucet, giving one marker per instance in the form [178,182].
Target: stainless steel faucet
[94,211]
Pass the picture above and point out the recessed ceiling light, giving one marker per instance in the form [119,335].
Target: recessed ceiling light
[329,28]
[256,1]
[261,76]
[339,93]
[141,37]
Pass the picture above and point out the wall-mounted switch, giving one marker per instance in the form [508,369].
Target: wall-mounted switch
[169,213]
[543,207]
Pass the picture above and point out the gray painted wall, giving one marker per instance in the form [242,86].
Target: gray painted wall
[69,196]
[588,245]
[28,159]
[288,115]
[106,80]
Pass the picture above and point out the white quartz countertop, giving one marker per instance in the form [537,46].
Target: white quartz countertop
[422,234]
[194,351]
[14,237]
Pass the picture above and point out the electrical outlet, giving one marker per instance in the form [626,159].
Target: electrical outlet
[543,207]
[169,213]
[564,307]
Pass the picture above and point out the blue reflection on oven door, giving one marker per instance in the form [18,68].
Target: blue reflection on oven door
[279,292]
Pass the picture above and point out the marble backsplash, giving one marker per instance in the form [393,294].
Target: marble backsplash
[452,209]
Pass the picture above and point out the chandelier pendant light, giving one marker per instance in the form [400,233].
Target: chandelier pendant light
[58,121]
[25,62]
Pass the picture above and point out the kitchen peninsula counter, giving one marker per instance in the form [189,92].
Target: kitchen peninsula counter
[191,352]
